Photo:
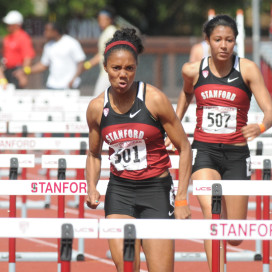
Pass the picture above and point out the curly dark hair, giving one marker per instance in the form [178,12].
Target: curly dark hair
[125,34]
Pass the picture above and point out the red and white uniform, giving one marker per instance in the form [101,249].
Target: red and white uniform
[136,140]
[222,105]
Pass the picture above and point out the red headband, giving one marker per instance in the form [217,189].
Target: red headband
[120,42]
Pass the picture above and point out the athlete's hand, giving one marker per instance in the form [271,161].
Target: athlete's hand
[251,131]
[182,212]
[93,199]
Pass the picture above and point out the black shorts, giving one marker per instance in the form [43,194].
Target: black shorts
[152,198]
[230,161]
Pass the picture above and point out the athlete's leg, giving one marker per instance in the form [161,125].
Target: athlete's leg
[117,246]
[159,254]
[205,204]
[237,167]
[236,208]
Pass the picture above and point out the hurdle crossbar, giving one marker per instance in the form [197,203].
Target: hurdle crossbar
[75,161]
[79,187]
[145,228]
[24,160]
[48,127]
[34,227]
[234,187]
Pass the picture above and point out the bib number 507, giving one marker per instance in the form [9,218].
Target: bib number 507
[219,120]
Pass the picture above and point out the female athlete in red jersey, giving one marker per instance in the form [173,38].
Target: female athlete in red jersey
[132,118]
[223,85]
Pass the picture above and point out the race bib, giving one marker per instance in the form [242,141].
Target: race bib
[130,155]
[219,120]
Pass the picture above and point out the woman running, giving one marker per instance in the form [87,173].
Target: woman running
[132,118]
[223,85]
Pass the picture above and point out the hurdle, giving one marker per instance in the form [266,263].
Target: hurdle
[28,161]
[64,229]
[249,188]
[13,162]
[32,143]
[204,188]
[74,161]
[145,228]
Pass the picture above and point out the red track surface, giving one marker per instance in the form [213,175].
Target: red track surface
[95,249]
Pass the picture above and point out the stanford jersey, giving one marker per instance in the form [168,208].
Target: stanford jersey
[222,105]
[137,149]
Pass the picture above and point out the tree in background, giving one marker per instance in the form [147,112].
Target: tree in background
[25,7]
[65,10]
[152,17]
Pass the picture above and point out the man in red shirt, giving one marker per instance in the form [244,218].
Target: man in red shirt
[17,48]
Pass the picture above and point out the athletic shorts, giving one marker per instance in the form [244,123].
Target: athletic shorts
[151,198]
[230,161]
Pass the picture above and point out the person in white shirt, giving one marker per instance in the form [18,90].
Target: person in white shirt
[105,19]
[63,56]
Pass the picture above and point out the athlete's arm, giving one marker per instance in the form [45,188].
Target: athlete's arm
[189,73]
[161,108]
[254,79]
[196,53]
[93,162]
[79,71]
[93,61]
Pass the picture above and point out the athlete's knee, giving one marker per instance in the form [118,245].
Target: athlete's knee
[235,242]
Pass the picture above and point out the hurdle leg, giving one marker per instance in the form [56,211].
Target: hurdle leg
[129,247]
[81,176]
[23,207]
[266,216]
[225,255]
[216,211]
[61,204]
[67,235]
[13,174]
[48,152]
[258,172]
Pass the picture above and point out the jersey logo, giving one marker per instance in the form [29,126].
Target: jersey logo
[232,79]
[171,213]
[106,112]
[134,114]
[205,73]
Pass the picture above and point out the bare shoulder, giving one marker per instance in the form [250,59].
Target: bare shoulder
[95,108]
[250,71]
[247,64]
[156,100]
[248,67]
[154,94]
[196,52]
[190,69]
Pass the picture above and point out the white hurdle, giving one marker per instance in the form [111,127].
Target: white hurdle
[51,161]
[33,144]
[15,161]
[145,228]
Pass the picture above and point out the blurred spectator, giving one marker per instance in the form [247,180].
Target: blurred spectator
[3,80]
[106,22]
[17,48]
[63,56]
[199,51]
